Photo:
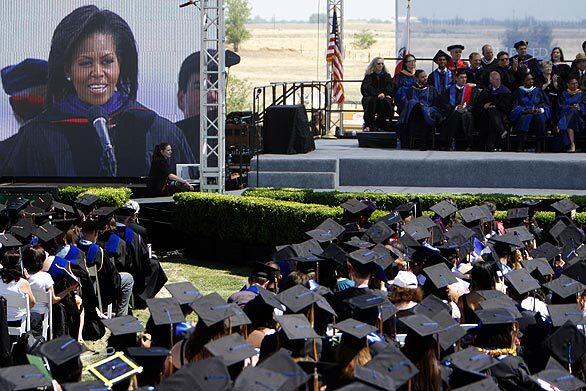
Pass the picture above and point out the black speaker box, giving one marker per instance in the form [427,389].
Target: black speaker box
[286,130]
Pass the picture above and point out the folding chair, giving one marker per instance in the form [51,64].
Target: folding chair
[93,272]
[19,301]
[44,298]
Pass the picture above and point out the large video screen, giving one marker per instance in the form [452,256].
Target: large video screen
[91,88]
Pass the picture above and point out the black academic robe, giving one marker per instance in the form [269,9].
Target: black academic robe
[375,108]
[61,145]
[508,77]
[528,64]
[476,76]
[511,373]
[114,260]
[458,124]
[493,122]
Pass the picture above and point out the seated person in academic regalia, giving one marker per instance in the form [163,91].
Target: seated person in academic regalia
[489,61]
[524,63]
[552,86]
[475,70]
[508,78]
[133,222]
[261,276]
[492,112]
[457,104]
[405,78]
[419,114]
[572,113]
[579,70]
[559,67]
[455,61]
[377,95]
[442,78]
[531,111]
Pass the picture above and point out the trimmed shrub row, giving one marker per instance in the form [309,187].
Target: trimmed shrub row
[389,201]
[107,196]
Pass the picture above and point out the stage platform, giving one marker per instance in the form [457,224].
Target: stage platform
[342,165]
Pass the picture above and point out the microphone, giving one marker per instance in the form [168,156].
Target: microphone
[108,165]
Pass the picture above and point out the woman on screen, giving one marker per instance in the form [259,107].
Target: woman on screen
[93,73]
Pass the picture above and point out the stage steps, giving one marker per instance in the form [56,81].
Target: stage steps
[279,172]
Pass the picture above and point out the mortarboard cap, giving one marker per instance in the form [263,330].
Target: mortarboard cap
[64,224]
[394,363]
[237,318]
[379,232]
[517,213]
[61,349]
[30,72]
[504,302]
[297,298]
[258,378]
[151,360]
[23,229]
[406,209]
[367,300]
[546,250]
[231,348]
[520,43]
[85,386]
[567,344]
[104,213]
[324,305]
[430,306]
[444,208]
[210,374]
[114,369]
[471,214]
[335,253]
[364,256]
[495,316]
[282,363]
[354,328]
[391,219]
[440,53]
[354,206]
[422,222]
[47,232]
[577,271]
[123,325]
[483,385]
[212,309]
[309,248]
[561,313]
[375,378]
[471,360]
[558,378]
[522,281]
[86,202]
[44,202]
[25,377]
[459,229]
[17,204]
[457,46]
[326,231]
[165,311]
[61,207]
[539,266]
[571,236]
[185,292]
[421,324]
[358,243]
[522,233]
[269,298]
[557,229]
[451,330]
[440,275]
[8,241]
[491,294]
[263,270]
[296,326]
[564,286]
[564,206]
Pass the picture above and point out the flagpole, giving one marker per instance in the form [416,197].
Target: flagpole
[408,26]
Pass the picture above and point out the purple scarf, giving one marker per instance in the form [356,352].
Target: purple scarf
[71,104]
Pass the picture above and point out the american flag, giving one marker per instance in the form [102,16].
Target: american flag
[335,57]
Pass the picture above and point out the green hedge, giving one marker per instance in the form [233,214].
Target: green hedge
[108,196]
[389,201]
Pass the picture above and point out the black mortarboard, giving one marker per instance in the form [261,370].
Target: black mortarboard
[15,205]
[296,326]
[283,253]
[520,43]
[564,286]
[391,219]
[23,228]
[406,209]
[47,232]
[210,374]
[151,360]
[471,214]
[123,325]
[59,206]
[379,232]
[354,206]
[61,349]
[451,329]
[522,233]
[440,275]
[368,299]
[495,316]
[44,202]
[282,363]
[324,305]
[269,298]
[394,363]
[517,213]
[564,206]
[237,318]
[257,378]
[558,378]
[86,202]
[114,369]
[359,243]
[457,46]
[28,73]
[567,344]
[417,232]
[212,309]
[308,248]
[487,213]
[104,213]
[571,236]
[421,324]
[539,266]
[440,53]
[165,311]
[430,306]
[297,298]
[577,271]
[423,222]
[508,240]
[557,229]
[85,386]
[444,208]
[354,328]
[504,302]
[561,313]
[483,385]
[373,377]
[263,270]
[335,253]
[25,377]
[64,224]
[546,250]
[7,241]
[364,256]
[471,360]
[326,231]
[459,229]
[231,348]
[185,292]
[522,281]
[491,294]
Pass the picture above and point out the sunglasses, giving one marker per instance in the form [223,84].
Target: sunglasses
[380,63]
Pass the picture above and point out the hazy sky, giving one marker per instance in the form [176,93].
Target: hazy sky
[384,9]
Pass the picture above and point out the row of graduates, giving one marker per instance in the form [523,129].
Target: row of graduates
[54,245]
[458,301]
[457,105]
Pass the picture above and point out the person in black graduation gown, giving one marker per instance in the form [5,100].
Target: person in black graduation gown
[457,104]
[508,75]
[377,95]
[475,70]
[93,67]
[492,112]
[524,63]
[560,68]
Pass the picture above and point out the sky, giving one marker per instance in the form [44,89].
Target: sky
[385,9]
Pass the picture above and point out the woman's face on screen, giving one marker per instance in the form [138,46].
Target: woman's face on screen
[95,69]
